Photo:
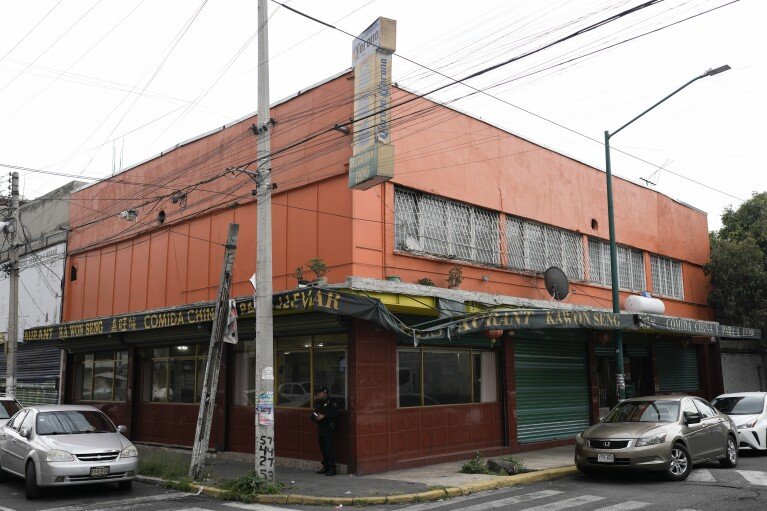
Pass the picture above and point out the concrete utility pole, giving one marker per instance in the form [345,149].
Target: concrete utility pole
[264,376]
[212,368]
[13,300]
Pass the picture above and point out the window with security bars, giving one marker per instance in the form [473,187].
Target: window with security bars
[433,225]
[666,277]
[631,274]
[534,246]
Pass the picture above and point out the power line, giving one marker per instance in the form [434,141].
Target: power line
[481,91]
[73,25]
[30,30]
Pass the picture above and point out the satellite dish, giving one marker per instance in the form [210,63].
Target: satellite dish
[556,283]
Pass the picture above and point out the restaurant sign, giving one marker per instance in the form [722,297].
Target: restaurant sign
[303,300]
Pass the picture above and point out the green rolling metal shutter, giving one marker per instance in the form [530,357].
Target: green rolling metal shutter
[552,387]
[677,367]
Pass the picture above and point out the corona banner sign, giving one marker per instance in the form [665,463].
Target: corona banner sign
[372,160]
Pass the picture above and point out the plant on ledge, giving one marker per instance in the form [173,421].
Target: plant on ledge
[454,277]
[318,267]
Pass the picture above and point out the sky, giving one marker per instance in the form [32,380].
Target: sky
[89,87]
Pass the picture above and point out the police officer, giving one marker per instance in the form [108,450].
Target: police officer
[325,416]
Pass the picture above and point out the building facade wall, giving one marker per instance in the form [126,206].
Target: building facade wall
[457,157]
[743,372]
[41,237]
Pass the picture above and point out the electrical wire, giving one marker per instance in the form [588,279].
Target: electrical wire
[73,25]
[31,30]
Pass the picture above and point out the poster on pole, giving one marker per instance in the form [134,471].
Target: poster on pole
[372,160]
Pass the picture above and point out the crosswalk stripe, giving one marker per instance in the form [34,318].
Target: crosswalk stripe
[701,475]
[625,506]
[754,477]
[512,500]
[565,504]
[431,505]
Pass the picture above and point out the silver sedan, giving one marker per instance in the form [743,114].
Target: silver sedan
[63,445]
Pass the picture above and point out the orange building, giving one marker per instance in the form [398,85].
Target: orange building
[411,364]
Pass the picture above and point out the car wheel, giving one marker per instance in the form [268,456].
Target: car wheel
[681,463]
[31,489]
[125,485]
[730,459]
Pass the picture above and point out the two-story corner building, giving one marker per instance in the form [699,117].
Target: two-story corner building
[412,366]
[41,238]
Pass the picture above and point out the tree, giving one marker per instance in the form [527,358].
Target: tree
[738,266]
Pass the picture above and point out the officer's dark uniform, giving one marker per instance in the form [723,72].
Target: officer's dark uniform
[327,429]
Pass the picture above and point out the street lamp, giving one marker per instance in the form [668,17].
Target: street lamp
[619,379]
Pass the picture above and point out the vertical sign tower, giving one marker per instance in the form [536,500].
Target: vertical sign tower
[372,160]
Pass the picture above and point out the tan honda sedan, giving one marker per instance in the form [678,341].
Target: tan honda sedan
[658,433]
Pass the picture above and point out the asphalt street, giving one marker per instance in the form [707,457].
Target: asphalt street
[709,488]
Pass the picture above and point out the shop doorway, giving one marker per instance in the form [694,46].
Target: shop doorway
[638,373]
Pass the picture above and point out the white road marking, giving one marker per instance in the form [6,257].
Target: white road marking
[113,504]
[754,477]
[257,507]
[566,504]
[442,503]
[625,506]
[701,475]
[6,509]
[685,509]
[511,500]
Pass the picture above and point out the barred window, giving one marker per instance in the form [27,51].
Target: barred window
[534,246]
[433,225]
[666,277]
[631,274]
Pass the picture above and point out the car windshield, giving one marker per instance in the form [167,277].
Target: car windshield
[644,411]
[739,405]
[72,422]
[8,408]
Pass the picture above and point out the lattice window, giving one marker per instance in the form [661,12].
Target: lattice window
[433,225]
[666,277]
[534,246]
[631,274]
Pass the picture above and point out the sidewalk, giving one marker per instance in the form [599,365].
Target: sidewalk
[429,483]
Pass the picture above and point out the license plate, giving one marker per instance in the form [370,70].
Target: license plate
[605,458]
[99,471]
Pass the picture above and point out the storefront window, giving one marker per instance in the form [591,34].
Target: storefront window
[294,389]
[409,371]
[299,361]
[431,376]
[101,376]
[174,374]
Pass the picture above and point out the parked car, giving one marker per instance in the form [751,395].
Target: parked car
[658,433]
[748,410]
[63,445]
[8,407]
[297,394]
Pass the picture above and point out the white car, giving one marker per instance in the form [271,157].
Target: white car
[8,407]
[748,411]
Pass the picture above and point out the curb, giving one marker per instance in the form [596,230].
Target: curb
[424,496]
